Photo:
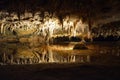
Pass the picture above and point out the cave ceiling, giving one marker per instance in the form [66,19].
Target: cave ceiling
[99,11]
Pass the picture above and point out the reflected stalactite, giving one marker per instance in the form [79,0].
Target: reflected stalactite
[47,55]
[11,59]
[51,57]
[43,56]
[72,58]
[88,58]
[18,61]
[81,59]
[4,58]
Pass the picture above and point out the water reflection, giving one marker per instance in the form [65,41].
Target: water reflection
[25,54]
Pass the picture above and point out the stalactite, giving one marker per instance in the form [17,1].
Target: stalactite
[49,26]
[2,28]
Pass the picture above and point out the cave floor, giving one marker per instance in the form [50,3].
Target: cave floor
[60,71]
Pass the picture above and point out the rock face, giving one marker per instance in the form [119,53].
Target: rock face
[80,47]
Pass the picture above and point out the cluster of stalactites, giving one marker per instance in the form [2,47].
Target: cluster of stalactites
[47,26]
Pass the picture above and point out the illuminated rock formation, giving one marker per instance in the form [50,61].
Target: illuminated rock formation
[48,28]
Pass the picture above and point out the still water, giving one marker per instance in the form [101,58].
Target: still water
[97,52]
